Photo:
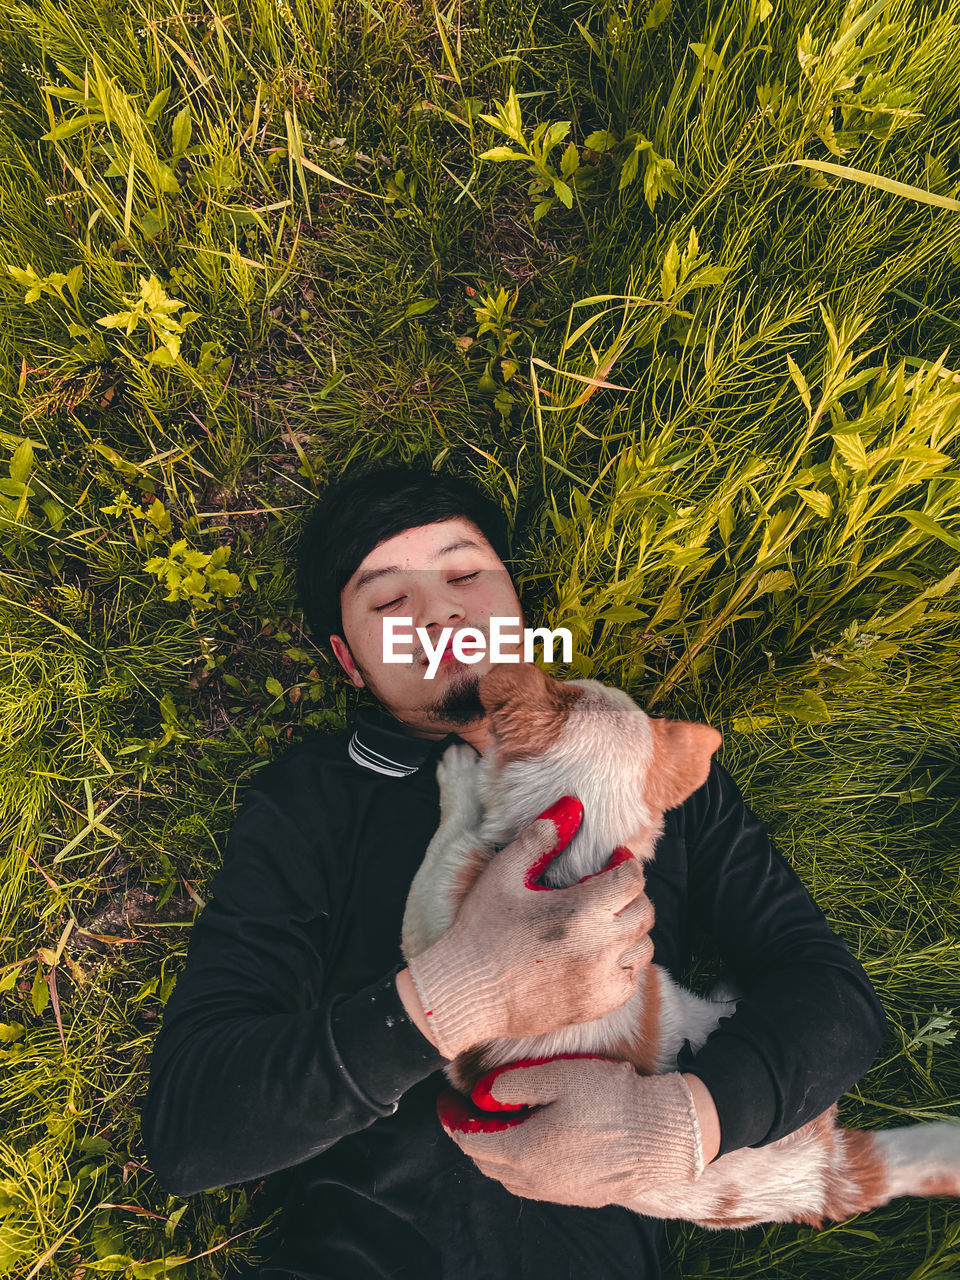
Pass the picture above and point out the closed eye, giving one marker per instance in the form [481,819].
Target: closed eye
[380,607]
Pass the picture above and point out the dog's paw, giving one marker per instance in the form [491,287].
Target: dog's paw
[456,770]
[457,775]
[457,762]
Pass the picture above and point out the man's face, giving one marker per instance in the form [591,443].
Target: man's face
[438,575]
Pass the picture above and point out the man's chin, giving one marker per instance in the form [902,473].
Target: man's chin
[459,703]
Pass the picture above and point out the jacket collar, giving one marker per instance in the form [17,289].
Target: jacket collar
[382,743]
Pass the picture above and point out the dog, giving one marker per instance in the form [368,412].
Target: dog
[583,738]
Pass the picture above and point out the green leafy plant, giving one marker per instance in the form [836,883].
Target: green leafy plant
[549,182]
[196,576]
[22,498]
[154,310]
[154,518]
[578,170]
[493,314]
[51,285]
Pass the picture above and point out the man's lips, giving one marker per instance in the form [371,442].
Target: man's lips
[444,657]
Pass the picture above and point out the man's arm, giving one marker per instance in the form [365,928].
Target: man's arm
[703,1102]
[809,1024]
[255,1067]
[258,1068]
[707,1117]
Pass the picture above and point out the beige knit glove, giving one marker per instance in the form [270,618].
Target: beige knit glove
[598,1133]
[521,959]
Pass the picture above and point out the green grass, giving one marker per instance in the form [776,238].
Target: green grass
[710,377]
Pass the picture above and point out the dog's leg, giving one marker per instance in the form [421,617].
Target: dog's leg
[783,1182]
[649,1030]
[820,1173]
[458,775]
[453,858]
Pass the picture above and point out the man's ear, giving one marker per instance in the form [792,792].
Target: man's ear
[343,655]
[682,755]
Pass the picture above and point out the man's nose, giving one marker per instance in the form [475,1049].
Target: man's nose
[440,607]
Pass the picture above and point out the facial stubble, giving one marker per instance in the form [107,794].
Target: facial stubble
[459,703]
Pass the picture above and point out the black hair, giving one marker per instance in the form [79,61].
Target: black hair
[361,510]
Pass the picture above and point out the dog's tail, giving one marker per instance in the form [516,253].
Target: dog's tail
[869,1168]
[922,1159]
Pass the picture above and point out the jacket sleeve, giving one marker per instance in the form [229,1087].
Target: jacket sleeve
[257,1066]
[809,1024]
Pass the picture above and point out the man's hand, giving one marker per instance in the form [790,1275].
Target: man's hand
[598,1133]
[521,959]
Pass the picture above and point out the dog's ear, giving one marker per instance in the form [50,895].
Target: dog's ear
[682,752]
[527,708]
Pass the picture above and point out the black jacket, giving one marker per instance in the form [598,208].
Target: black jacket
[285,1046]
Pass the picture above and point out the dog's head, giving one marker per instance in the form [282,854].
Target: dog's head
[583,738]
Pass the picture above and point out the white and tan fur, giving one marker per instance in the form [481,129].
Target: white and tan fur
[586,739]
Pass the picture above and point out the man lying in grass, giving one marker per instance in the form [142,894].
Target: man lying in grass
[295,1038]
